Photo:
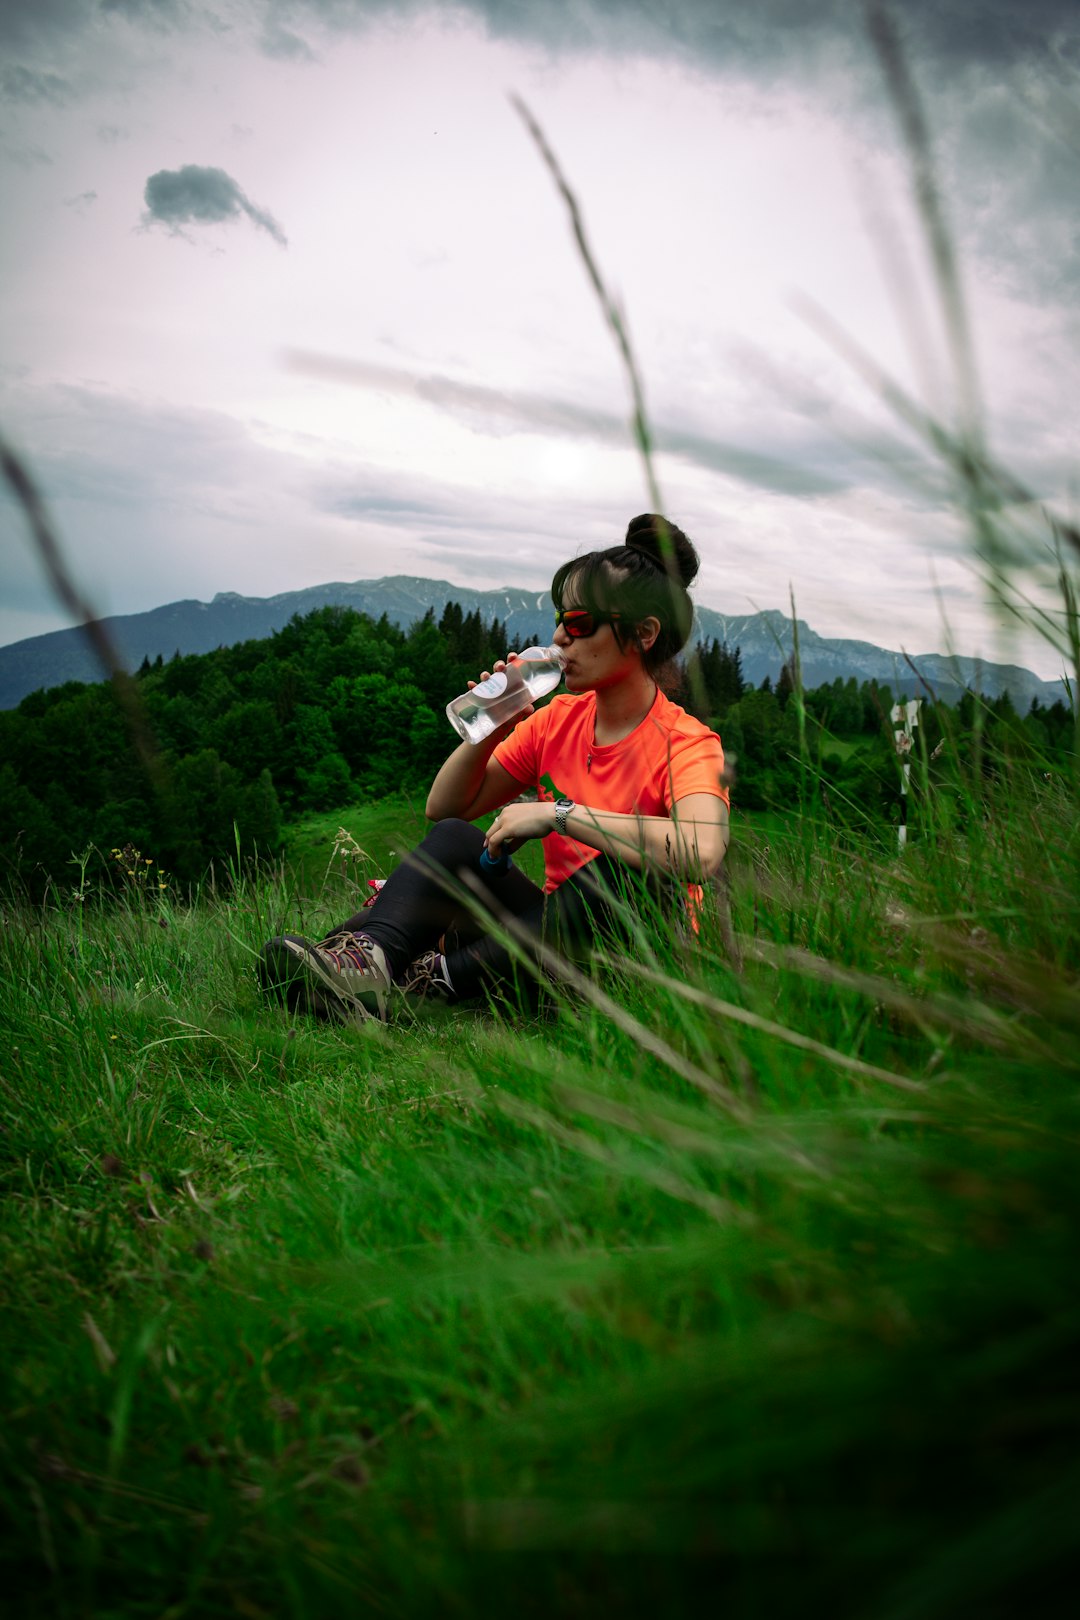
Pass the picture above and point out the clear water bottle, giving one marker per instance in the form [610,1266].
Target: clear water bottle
[476,714]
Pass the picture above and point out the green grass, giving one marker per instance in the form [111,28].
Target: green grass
[382,830]
[381,833]
[599,1313]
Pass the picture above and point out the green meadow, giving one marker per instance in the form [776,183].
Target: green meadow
[745,1274]
[740,1281]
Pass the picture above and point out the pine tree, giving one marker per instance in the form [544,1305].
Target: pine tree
[786,684]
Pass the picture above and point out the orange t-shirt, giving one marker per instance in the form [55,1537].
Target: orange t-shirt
[668,756]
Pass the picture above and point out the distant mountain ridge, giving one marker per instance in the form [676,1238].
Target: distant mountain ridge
[764,638]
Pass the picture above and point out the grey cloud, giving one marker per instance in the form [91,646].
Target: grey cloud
[123,474]
[283,45]
[1013,196]
[494,411]
[768,35]
[490,540]
[29,157]
[195,195]
[18,83]
[368,499]
[732,34]
[990,30]
[82,202]
[109,134]
[95,444]
[813,450]
[25,23]
[1013,158]
[22,23]
[156,13]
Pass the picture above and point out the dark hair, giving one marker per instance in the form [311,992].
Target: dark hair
[644,578]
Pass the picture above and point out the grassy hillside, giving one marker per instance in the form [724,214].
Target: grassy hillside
[324,854]
[746,1274]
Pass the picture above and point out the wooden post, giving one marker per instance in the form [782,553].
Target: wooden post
[905,717]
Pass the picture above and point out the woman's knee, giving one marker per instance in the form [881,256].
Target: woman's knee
[451,841]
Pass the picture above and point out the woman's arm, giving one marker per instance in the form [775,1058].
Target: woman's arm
[691,843]
[470,782]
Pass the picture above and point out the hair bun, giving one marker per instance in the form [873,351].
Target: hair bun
[659,539]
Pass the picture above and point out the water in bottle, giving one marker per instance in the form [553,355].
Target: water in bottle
[476,714]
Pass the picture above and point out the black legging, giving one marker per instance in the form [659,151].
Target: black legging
[417,906]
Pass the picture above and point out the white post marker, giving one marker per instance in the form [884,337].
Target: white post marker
[905,717]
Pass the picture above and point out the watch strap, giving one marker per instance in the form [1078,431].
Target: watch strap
[563,809]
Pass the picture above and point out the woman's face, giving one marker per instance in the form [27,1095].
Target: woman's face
[597,661]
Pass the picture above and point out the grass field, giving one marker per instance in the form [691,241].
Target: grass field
[380,830]
[380,834]
[746,1276]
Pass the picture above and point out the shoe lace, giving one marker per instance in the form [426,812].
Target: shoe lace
[421,975]
[352,947]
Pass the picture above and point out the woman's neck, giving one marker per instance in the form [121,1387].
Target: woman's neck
[621,708]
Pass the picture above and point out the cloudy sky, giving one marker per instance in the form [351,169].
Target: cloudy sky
[287,294]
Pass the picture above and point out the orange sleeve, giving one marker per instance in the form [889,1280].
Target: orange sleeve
[694,765]
[520,752]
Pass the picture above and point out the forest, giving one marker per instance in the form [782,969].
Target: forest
[336,709]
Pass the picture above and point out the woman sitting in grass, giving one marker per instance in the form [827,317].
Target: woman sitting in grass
[639,803]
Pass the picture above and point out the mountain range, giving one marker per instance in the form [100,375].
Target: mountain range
[764,639]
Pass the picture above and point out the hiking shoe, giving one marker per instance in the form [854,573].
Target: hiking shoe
[343,978]
[426,980]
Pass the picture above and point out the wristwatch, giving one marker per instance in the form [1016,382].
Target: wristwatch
[563,809]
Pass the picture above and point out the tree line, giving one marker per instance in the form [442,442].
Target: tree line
[333,707]
[337,707]
[836,742]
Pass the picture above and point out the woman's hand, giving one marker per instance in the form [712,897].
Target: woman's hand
[515,824]
[495,737]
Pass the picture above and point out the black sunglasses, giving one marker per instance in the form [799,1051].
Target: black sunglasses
[580,622]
